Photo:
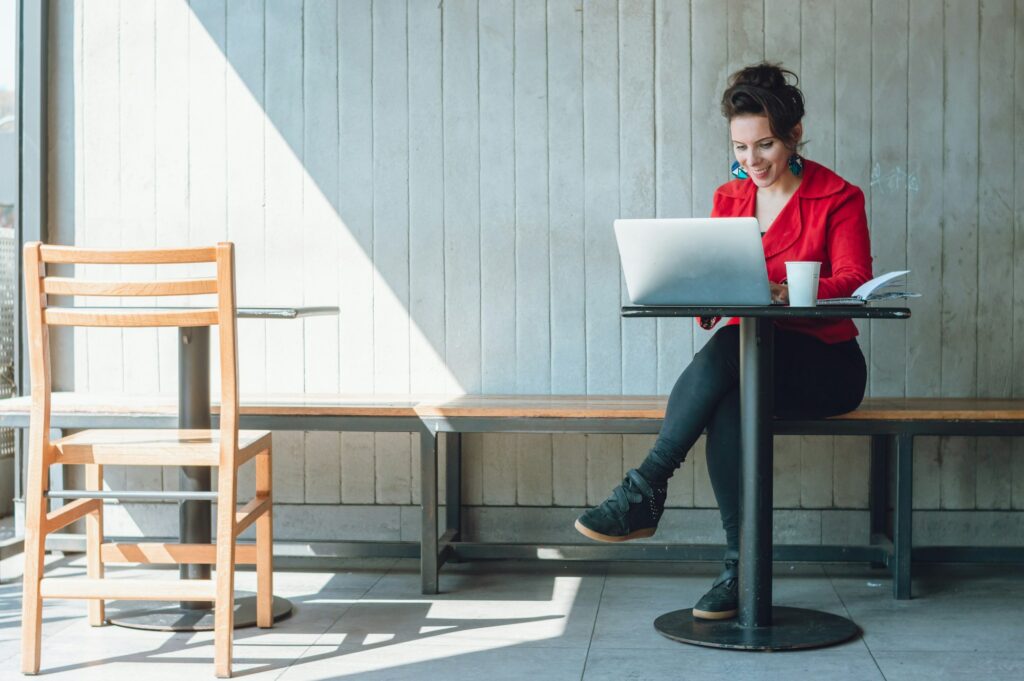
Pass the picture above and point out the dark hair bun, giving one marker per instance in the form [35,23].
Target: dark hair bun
[765,89]
[763,75]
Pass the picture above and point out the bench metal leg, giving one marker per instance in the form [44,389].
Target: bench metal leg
[878,492]
[453,484]
[902,544]
[428,506]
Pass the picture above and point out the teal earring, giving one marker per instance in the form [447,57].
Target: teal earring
[796,164]
[738,172]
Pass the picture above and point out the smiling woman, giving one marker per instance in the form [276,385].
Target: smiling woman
[806,213]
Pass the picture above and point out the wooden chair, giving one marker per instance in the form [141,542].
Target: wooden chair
[227,448]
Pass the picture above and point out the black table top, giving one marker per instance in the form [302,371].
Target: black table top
[771,311]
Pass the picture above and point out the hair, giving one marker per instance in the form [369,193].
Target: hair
[764,89]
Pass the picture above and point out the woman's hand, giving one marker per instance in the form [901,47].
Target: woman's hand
[780,293]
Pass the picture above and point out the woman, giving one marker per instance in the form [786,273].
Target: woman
[806,212]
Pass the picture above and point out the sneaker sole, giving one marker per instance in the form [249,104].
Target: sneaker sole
[710,615]
[597,536]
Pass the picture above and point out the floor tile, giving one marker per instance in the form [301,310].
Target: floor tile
[709,664]
[398,662]
[933,666]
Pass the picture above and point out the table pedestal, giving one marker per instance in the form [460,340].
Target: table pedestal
[194,517]
[790,629]
[758,626]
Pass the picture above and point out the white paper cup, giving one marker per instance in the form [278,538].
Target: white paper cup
[802,279]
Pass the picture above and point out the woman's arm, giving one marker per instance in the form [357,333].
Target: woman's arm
[848,246]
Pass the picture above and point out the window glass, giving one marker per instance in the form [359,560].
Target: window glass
[8,223]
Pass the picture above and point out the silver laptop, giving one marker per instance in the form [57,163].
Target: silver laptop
[693,261]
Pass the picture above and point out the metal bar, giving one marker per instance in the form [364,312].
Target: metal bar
[428,512]
[132,495]
[194,412]
[902,526]
[755,566]
[453,482]
[56,472]
[304,554]
[878,492]
[410,424]
[768,312]
[283,312]
[968,554]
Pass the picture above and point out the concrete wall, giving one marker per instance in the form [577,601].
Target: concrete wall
[447,174]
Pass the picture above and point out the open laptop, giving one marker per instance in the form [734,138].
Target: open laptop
[693,261]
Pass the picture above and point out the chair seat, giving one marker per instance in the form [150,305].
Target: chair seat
[150,447]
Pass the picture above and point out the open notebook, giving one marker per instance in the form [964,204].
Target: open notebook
[880,288]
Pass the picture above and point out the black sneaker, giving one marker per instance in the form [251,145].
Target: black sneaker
[631,512]
[722,601]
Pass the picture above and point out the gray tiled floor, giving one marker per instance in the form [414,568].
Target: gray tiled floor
[541,621]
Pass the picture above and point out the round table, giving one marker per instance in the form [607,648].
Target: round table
[760,625]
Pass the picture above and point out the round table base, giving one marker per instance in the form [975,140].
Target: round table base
[791,629]
[171,617]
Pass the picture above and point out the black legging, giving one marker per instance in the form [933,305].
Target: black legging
[812,379]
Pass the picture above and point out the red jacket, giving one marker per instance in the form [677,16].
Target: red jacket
[824,221]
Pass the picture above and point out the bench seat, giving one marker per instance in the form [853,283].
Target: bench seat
[892,423]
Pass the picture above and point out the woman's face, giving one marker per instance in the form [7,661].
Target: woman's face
[761,154]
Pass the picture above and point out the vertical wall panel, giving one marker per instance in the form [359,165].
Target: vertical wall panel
[960,191]
[355,248]
[462,193]
[818,78]
[207,202]
[853,111]
[426,203]
[888,182]
[995,243]
[601,204]
[1018,246]
[672,181]
[709,165]
[636,174]
[390,200]
[924,197]
[852,115]
[320,221]
[995,199]
[1018,205]
[285,178]
[391,238]
[497,199]
[101,177]
[138,229]
[781,39]
[960,241]
[355,195]
[566,205]
[170,164]
[320,228]
[569,472]
[533,337]
[245,181]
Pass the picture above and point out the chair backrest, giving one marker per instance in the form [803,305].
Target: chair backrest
[40,315]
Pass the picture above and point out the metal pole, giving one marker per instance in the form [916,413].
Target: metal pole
[755,562]
[194,412]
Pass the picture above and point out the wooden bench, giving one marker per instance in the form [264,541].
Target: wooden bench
[891,423]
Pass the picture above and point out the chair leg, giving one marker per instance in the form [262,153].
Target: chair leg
[93,540]
[35,546]
[224,607]
[264,546]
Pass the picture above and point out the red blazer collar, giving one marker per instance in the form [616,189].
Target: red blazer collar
[818,183]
